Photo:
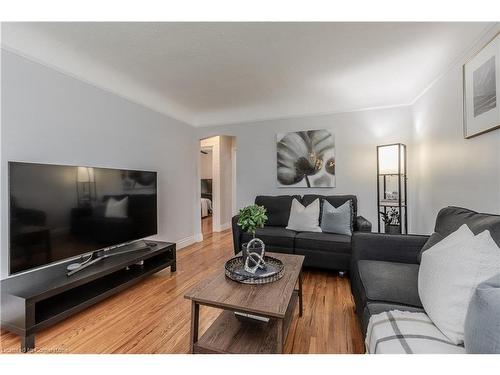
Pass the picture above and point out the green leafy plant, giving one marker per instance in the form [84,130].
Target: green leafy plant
[252,217]
[391,217]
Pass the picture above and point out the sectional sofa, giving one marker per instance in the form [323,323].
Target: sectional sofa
[384,279]
[384,268]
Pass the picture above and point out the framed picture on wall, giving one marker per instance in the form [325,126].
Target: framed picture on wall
[306,159]
[481,90]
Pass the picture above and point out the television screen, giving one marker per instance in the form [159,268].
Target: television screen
[57,212]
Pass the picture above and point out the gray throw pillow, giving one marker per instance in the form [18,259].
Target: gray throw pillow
[337,220]
[482,323]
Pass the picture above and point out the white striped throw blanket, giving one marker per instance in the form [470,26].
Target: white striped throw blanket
[403,332]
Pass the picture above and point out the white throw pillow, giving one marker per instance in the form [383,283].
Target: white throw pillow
[304,219]
[449,273]
[116,208]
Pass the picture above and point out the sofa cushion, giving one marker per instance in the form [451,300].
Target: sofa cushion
[327,260]
[379,307]
[334,200]
[390,281]
[482,324]
[273,237]
[404,332]
[373,308]
[338,243]
[278,208]
[449,219]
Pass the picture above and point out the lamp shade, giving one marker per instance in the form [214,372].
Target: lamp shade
[391,159]
[85,174]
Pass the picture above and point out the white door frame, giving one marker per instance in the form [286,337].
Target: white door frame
[214,144]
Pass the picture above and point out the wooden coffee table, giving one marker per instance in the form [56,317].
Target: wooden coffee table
[231,334]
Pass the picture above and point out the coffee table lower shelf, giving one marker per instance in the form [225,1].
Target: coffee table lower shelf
[231,335]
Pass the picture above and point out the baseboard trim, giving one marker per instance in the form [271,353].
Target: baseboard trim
[223,227]
[184,242]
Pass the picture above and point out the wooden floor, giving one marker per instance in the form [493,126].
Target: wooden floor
[206,226]
[154,317]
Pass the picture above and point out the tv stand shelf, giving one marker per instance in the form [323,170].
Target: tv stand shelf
[39,299]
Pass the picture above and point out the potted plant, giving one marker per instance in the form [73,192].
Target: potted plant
[391,221]
[250,218]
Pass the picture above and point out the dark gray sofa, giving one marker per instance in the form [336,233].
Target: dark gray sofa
[322,250]
[384,268]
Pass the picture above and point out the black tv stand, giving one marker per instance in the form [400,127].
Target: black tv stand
[99,255]
[44,297]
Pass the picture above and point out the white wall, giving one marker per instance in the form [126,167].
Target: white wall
[452,170]
[206,165]
[49,117]
[356,136]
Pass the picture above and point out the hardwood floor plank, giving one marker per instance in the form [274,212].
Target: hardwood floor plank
[206,226]
[154,317]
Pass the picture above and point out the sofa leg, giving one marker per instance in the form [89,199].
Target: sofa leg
[342,273]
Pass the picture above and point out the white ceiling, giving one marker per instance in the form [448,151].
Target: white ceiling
[218,73]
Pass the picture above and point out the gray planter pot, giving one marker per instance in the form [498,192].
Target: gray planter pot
[392,229]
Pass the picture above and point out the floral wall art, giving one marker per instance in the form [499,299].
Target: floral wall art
[306,159]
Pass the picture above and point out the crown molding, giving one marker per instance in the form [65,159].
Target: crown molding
[298,116]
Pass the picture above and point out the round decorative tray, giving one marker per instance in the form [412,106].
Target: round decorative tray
[273,271]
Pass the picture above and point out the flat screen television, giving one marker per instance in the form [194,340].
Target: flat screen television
[60,211]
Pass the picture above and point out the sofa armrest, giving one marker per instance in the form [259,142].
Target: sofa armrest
[387,247]
[236,234]
[363,224]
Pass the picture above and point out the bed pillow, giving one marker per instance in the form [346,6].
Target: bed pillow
[449,273]
[116,208]
[337,220]
[304,219]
